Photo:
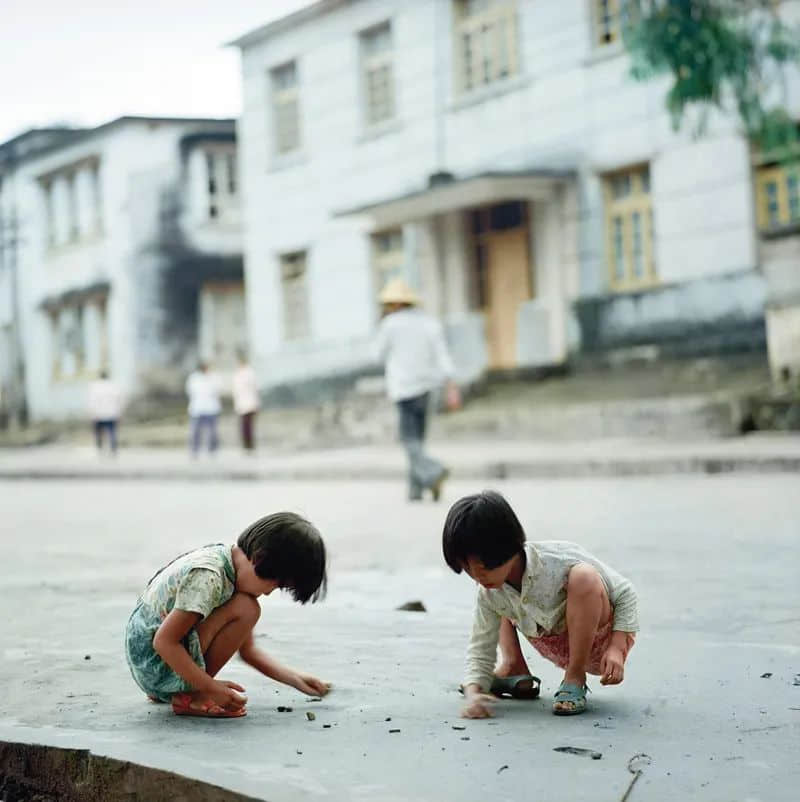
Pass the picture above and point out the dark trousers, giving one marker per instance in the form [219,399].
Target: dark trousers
[423,471]
[199,424]
[247,427]
[109,426]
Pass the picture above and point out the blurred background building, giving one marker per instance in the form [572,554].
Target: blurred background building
[121,253]
[498,155]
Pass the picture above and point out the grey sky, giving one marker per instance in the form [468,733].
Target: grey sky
[89,61]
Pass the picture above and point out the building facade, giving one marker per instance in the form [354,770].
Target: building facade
[125,258]
[497,154]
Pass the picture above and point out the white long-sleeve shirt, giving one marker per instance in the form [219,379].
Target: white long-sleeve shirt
[204,390]
[411,343]
[104,400]
[245,390]
[540,607]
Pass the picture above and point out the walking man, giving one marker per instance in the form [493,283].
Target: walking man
[203,389]
[105,408]
[411,344]
[245,400]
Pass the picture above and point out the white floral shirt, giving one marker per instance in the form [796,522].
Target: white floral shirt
[540,607]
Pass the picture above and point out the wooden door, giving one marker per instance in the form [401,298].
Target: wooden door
[508,286]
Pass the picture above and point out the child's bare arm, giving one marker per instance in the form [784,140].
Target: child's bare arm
[168,645]
[273,669]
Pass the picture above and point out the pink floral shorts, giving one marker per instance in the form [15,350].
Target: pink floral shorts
[555,648]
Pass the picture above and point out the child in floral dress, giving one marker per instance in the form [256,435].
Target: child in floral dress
[201,608]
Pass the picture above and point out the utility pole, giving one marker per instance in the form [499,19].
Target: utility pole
[9,249]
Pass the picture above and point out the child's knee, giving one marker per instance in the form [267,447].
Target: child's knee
[245,607]
[583,580]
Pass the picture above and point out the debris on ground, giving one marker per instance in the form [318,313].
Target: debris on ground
[388,718]
[394,730]
[89,657]
[326,726]
[465,737]
[310,716]
[456,727]
[502,768]
[636,766]
[284,709]
[315,699]
[796,679]
[577,750]
[766,675]
[413,607]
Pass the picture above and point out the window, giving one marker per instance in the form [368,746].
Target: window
[778,196]
[629,229]
[295,296]
[378,74]
[388,257]
[80,339]
[611,17]
[285,108]
[221,182]
[485,42]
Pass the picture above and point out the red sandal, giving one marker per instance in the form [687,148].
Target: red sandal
[184,705]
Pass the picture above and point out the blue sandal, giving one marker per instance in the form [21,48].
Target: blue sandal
[569,699]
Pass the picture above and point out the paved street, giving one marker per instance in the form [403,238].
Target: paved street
[714,559]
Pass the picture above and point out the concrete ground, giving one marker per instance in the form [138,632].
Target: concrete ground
[479,459]
[712,691]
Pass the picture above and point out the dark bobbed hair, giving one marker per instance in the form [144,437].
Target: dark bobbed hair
[481,526]
[288,549]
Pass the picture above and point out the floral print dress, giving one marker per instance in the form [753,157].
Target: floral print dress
[197,582]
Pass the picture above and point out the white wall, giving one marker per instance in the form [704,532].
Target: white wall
[572,106]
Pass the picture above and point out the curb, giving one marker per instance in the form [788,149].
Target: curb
[552,469]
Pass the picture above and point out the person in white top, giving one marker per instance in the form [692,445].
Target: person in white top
[104,404]
[203,388]
[245,400]
[411,344]
[574,610]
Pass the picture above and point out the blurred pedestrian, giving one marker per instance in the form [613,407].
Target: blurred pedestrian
[245,400]
[411,344]
[203,388]
[104,404]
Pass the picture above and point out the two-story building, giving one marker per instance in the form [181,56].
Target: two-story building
[498,154]
[126,257]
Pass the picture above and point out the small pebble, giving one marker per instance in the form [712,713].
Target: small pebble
[326,726]
[388,718]
[465,737]
[299,752]
[283,709]
[502,768]
[455,727]
[87,657]
[310,716]
[766,675]
[394,730]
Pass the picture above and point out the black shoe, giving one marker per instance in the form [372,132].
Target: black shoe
[436,487]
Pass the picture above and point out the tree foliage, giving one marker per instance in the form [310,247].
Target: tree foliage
[725,54]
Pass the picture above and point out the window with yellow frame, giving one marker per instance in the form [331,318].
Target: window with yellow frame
[629,229]
[485,42]
[778,196]
[611,17]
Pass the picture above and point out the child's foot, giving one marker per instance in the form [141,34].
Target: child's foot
[570,699]
[196,704]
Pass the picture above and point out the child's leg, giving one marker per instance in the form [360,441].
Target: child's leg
[588,609]
[226,629]
[512,661]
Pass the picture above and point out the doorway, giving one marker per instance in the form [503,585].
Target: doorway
[503,275]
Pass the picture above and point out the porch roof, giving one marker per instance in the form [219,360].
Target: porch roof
[447,194]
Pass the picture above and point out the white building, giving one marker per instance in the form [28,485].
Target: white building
[125,241]
[498,154]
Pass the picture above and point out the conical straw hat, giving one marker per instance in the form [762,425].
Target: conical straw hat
[397,291]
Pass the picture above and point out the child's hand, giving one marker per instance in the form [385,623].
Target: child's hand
[612,665]
[478,705]
[310,685]
[225,694]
